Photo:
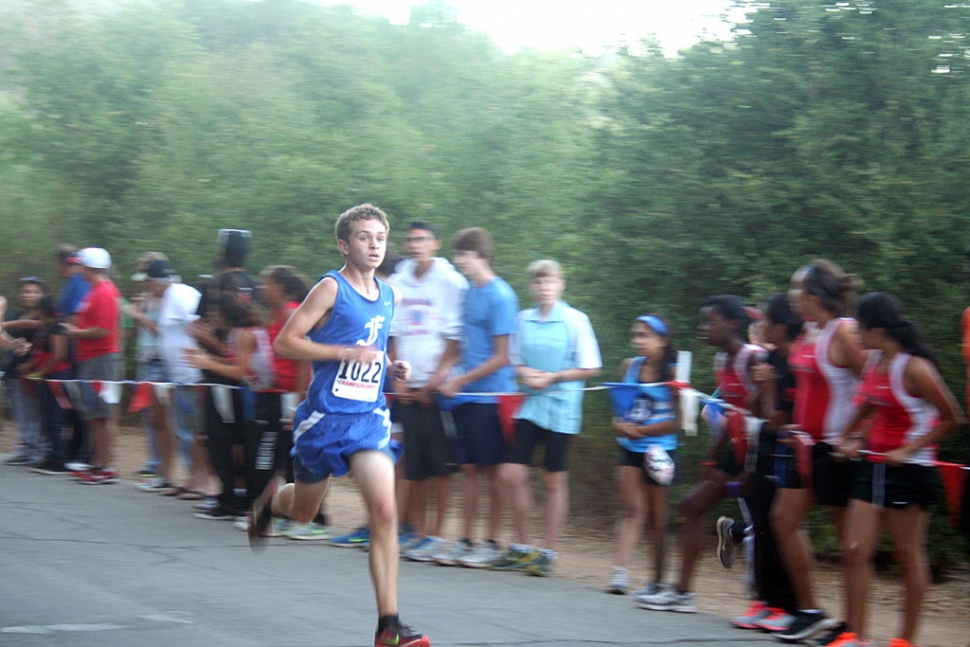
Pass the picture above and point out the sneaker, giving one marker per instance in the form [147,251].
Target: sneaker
[835,630]
[424,549]
[217,513]
[619,581]
[400,635]
[845,639]
[648,589]
[156,485]
[669,600]
[406,535]
[275,529]
[147,472]
[77,466]
[725,543]
[515,559]
[747,620]
[481,556]
[777,621]
[99,476]
[806,625]
[51,467]
[900,642]
[356,539]
[449,554]
[261,514]
[413,542]
[17,460]
[311,531]
[207,503]
[543,564]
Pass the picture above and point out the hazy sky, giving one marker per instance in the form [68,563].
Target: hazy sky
[563,24]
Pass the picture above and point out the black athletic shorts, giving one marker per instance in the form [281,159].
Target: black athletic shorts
[726,461]
[428,451]
[896,487]
[479,432]
[831,479]
[528,435]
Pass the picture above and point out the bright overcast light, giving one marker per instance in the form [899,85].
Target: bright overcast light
[592,26]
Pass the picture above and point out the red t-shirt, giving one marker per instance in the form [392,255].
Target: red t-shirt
[286,369]
[100,308]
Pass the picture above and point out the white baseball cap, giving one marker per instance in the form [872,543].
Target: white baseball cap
[96,258]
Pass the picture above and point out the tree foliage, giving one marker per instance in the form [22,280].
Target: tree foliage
[837,130]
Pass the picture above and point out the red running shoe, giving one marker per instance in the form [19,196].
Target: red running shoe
[98,476]
[779,620]
[400,635]
[757,611]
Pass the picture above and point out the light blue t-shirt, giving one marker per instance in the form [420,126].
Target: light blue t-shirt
[654,403]
[561,341]
[488,311]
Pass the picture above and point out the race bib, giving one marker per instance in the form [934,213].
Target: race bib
[356,381]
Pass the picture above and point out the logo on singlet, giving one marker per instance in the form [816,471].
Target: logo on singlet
[372,326]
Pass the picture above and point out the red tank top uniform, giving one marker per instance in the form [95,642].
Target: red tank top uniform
[736,389]
[286,369]
[899,417]
[823,391]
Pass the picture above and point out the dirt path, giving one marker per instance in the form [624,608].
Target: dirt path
[587,559]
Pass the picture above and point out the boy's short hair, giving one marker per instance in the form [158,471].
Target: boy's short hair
[423,225]
[474,239]
[345,223]
[543,268]
[730,307]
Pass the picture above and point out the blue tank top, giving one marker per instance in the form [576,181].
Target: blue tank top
[352,387]
[653,404]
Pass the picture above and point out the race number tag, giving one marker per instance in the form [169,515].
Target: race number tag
[356,381]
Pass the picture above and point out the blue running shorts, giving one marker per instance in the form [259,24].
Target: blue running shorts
[324,442]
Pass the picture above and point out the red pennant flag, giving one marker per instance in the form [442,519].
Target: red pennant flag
[57,389]
[141,397]
[508,406]
[954,476]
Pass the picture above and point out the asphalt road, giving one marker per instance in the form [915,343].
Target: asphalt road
[108,566]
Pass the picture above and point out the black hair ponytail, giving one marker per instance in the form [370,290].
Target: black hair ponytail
[882,310]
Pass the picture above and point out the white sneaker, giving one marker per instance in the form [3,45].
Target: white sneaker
[208,503]
[276,528]
[450,554]
[649,589]
[423,550]
[482,555]
[619,581]
[669,600]
[157,485]
[305,531]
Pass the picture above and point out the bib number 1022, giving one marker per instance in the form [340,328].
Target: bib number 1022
[357,381]
[356,372]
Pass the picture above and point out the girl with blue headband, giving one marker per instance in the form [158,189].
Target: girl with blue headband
[646,429]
